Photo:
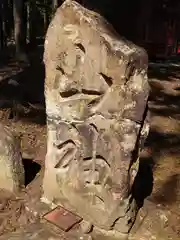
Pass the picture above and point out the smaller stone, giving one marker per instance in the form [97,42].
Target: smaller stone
[12,176]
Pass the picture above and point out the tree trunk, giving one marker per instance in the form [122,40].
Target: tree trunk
[3,23]
[46,16]
[9,18]
[19,29]
[32,23]
[1,29]
[55,4]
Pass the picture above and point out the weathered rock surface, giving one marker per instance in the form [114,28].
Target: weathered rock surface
[11,167]
[96,101]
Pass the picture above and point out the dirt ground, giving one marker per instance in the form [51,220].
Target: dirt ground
[161,158]
[160,161]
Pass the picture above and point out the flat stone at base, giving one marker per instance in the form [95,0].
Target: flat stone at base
[35,231]
[62,218]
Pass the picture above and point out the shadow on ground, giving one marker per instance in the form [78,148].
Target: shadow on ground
[169,191]
[161,156]
[164,191]
[165,91]
[23,93]
[31,169]
[143,184]
[164,71]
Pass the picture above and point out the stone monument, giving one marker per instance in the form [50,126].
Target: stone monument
[96,92]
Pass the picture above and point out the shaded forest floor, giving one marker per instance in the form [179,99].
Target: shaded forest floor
[160,218]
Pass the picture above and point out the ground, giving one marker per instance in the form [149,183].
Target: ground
[162,151]
[160,160]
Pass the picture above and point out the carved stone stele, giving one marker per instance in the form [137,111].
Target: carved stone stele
[96,93]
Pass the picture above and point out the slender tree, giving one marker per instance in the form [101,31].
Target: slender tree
[46,15]
[1,29]
[32,22]
[3,22]
[55,4]
[20,29]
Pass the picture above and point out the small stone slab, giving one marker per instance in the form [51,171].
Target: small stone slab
[62,218]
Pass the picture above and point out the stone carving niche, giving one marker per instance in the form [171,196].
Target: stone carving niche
[96,93]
